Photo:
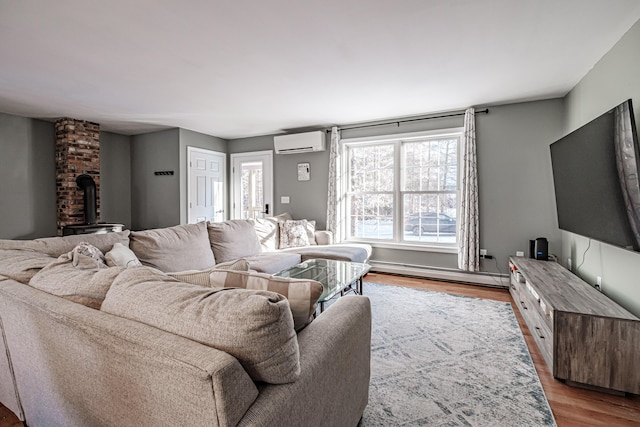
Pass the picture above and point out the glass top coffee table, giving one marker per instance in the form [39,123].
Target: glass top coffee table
[337,277]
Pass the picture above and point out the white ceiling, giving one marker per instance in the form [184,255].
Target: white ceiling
[253,67]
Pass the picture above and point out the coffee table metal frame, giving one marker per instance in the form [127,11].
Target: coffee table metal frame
[337,277]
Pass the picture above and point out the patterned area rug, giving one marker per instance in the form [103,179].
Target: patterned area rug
[446,360]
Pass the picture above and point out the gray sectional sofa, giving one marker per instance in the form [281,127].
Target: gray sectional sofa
[138,342]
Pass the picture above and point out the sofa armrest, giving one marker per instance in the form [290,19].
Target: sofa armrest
[8,390]
[335,361]
[324,237]
[75,365]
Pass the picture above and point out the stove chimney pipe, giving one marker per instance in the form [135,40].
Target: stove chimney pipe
[87,183]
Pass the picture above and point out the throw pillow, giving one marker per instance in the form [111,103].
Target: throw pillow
[267,232]
[86,252]
[293,234]
[121,256]
[76,277]
[302,294]
[201,277]
[178,248]
[283,217]
[311,231]
[255,327]
[233,239]
[21,265]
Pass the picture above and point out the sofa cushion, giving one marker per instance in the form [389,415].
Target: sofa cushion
[268,233]
[84,283]
[121,256]
[352,252]
[311,231]
[273,262]
[233,239]
[255,327]
[302,294]
[293,233]
[56,246]
[201,277]
[268,230]
[177,248]
[22,265]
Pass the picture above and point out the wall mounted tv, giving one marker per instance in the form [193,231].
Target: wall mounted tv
[595,175]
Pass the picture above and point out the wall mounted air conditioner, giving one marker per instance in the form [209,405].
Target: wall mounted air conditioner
[299,142]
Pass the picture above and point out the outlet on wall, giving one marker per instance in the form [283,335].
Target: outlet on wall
[483,252]
[599,283]
[569,266]
[519,253]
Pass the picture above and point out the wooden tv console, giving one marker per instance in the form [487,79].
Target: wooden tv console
[584,337]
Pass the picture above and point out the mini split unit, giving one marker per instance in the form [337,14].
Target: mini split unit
[307,142]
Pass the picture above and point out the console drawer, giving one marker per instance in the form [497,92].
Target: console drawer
[537,327]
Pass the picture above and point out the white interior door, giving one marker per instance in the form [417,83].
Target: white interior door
[252,184]
[206,185]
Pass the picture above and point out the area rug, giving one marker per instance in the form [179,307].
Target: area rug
[446,360]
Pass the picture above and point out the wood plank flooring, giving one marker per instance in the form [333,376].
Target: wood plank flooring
[571,406]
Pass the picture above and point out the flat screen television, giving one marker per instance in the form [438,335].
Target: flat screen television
[595,175]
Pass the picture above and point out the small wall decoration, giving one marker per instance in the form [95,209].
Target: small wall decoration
[304,172]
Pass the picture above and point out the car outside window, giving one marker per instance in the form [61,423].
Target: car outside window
[403,190]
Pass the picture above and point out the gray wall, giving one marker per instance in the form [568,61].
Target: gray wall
[189,138]
[514,178]
[27,178]
[155,200]
[614,79]
[161,201]
[515,182]
[115,178]
[308,199]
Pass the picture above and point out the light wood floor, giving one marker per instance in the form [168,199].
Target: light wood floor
[571,406]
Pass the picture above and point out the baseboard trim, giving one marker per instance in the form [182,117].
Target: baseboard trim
[494,280]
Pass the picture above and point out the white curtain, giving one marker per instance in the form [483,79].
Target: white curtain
[335,199]
[627,167]
[468,233]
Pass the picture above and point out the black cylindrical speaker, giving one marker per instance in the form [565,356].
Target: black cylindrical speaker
[542,249]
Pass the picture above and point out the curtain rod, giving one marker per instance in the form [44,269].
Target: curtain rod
[485,111]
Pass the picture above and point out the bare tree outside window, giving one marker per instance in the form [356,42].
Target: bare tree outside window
[404,190]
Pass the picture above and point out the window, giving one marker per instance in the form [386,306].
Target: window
[402,189]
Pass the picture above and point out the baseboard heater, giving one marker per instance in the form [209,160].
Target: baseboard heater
[495,280]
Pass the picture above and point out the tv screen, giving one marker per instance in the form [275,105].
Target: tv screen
[595,175]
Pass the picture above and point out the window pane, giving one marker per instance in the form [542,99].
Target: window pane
[251,189]
[418,205]
[372,216]
[430,165]
[371,168]
[430,218]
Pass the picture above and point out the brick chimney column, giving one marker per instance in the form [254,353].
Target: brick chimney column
[77,152]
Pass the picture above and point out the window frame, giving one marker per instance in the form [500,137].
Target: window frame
[397,140]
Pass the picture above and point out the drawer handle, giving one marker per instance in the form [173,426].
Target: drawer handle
[524,305]
[539,332]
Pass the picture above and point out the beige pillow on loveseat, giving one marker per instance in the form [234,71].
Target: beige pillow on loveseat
[255,327]
[233,239]
[178,248]
[302,294]
[201,277]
